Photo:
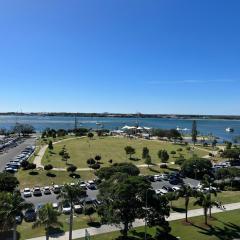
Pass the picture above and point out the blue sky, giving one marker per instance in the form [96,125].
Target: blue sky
[159,56]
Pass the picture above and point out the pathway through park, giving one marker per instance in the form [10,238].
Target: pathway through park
[80,233]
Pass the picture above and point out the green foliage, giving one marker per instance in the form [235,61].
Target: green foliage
[47,217]
[145,152]
[8,182]
[50,145]
[91,161]
[72,168]
[231,154]
[180,160]
[48,167]
[148,160]
[196,167]
[90,135]
[163,155]
[89,211]
[11,205]
[129,151]
[122,200]
[127,168]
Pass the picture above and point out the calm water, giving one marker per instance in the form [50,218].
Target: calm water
[215,127]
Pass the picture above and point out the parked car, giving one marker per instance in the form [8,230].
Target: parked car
[78,208]
[66,208]
[55,205]
[27,192]
[37,192]
[46,191]
[56,189]
[18,219]
[175,181]
[167,188]
[91,185]
[30,215]
[157,178]
[175,188]
[164,176]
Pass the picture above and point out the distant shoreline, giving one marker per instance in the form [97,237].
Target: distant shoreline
[123,115]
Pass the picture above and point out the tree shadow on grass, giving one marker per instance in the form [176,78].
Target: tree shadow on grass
[34,173]
[226,232]
[8,235]
[178,209]
[154,170]
[56,232]
[52,175]
[135,159]
[94,224]
[141,235]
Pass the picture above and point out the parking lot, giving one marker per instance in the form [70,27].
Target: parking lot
[52,198]
[12,152]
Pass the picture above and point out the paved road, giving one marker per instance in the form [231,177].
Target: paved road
[93,193]
[11,153]
[80,233]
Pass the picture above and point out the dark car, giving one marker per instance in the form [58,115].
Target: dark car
[37,192]
[30,215]
[175,181]
[167,188]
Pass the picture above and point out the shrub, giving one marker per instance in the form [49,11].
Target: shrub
[91,161]
[72,168]
[48,167]
[98,157]
[95,166]
[179,149]
[188,148]
[173,152]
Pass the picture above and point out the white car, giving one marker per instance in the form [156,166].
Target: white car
[66,208]
[175,189]
[157,178]
[55,205]
[27,192]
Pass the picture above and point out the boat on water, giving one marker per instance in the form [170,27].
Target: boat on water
[98,123]
[229,129]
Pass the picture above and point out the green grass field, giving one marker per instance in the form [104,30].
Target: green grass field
[223,226]
[27,180]
[110,148]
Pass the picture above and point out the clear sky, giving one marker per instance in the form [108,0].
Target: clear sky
[158,56]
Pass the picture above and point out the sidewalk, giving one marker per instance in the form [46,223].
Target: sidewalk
[80,233]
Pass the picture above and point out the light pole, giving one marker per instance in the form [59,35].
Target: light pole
[145,225]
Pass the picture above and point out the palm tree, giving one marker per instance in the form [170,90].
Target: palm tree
[47,217]
[186,192]
[204,200]
[207,183]
[70,194]
[11,206]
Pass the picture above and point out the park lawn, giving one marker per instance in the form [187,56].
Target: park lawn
[27,180]
[111,148]
[225,197]
[155,169]
[223,226]
[80,221]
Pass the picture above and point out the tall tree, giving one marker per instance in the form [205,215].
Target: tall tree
[47,217]
[207,182]
[194,132]
[145,152]
[204,200]
[186,192]
[8,182]
[163,155]
[148,160]
[129,151]
[70,194]
[122,200]
[11,206]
